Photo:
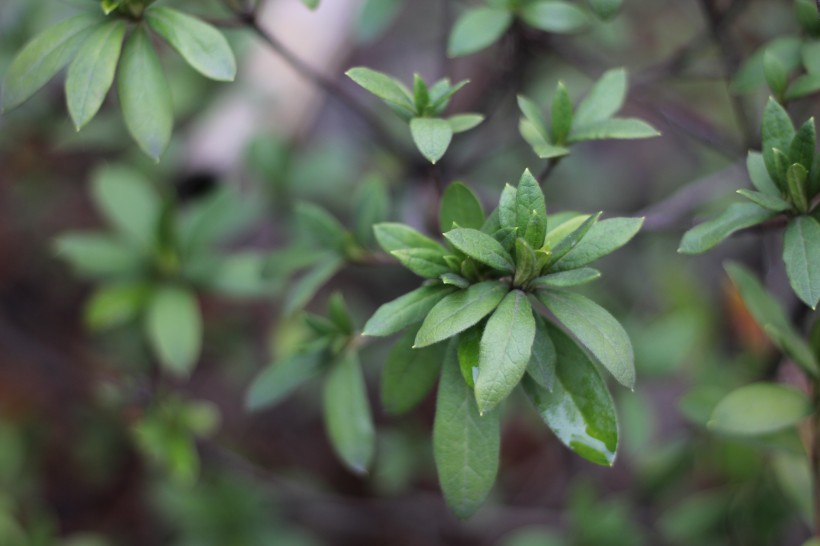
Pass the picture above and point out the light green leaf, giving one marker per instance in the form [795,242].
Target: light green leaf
[530,211]
[383,86]
[751,74]
[94,255]
[455,280]
[432,137]
[506,347]
[561,115]
[507,207]
[43,57]
[803,86]
[615,128]
[393,236]
[311,4]
[174,326]
[565,245]
[760,176]
[532,113]
[347,416]
[458,311]
[709,234]
[554,16]
[579,409]
[603,238]
[464,122]
[375,17]
[144,95]
[321,226]
[91,74]
[796,176]
[605,97]
[460,206]
[481,247]
[606,9]
[778,133]
[201,45]
[129,203]
[115,304]
[424,262]
[409,374]
[597,330]
[281,378]
[771,202]
[566,279]
[476,29]
[541,367]
[810,54]
[562,225]
[775,73]
[803,145]
[372,207]
[303,290]
[801,253]
[793,475]
[465,445]
[405,310]
[760,408]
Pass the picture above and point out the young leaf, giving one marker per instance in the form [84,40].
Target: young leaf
[144,95]
[771,202]
[339,314]
[565,245]
[778,132]
[506,347]
[383,86]
[603,238]
[93,255]
[432,137]
[525,262]
[507,207]
[464,122]
[554,16]
[803,86]
[541,367]
[200,44]
[347,416]
[481,247]
[615,128]
[530,211]
[174,326]
[597,330]
[775,73]
[43,57]
[760,408]
[533,114]
[409,374]
[455,280]
[281,378]
[802,147]
[579,409]
[760,176]
[796,185]
[566,279]
[129,203]
[476,29]
[91,74]
[709,234]
[561,115]
[424,262]
[465,445]
[405,310]
[457,312]
[459,205]
[801,253]
[115,304]
[604,99]
[469,347]
[393,236]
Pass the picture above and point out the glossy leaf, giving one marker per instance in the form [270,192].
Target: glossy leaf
[174,326]
[554,16]
[144,95]
[801,253]
[465,445]
[579,409]
[506,347]
[409,374]
[458,311]
[405,310]
[760,408]
[597,330]
[129,203]
[476,29]
[432,137]
[281,378]
[460,207]
[481,247]
[91,74]
[347,416]
[603,238]
[709,234]
[604,99]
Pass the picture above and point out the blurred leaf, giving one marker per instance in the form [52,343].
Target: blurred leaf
[695,518]
[775,73]
[375,18]
[760,408]
[554,16]
[709,234]
[115,304]
[129,203]
[174,326]
[303,290]
[95,255]
[605,97]
[409,374]
[531,536]
[476,29]
[811,56]
[801,253]
[794,477]
[751,75]
[605,9]
[372,206]
[281,378]
[311,4]
[432,137]
[240,275]
[383,86]
[322,227]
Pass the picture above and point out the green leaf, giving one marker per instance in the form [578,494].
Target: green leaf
[760,176]
[375,17]
[605,97]
[43,57]
[771,202]
[561,114]
[409,374]
[506,347]
[393,236]
[464,122]
[540,146]
[281,378]
[803,86]
[709,234]
[775,73]
[603,238]
[460,206]
[606,9]
[751,73]
[566,279]
[760,408]
[348,420]
[113,305]
[476,29]
[458,311]
[174,326]
[796,185]
[801,253]
[810,54]
[541,367]
[597,330]
[530,211]
[794,478]
[424,262]
[432,137]
[455,280]
[481,247]
[311,4]
[339,314]
[469,346]
[405,310]
[144,95]
[568,243]
[129,203]
[778,132]
[615,128]
[554,16]
[303,290]
[525,262]
[321,226]
[802,147]
[579,409]
[94,255]
[465,445]
[383,86]
[372,207]
[201,45]
[532,113]
[91,74]
[421,96]
[768,313]
[442,92]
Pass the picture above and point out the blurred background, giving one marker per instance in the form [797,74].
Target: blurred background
[96,450]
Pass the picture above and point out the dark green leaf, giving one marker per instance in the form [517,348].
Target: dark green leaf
[615,128]
[506,347]
[604,99]
[281,378]
[603,238]
[481,247]
[465,445]
[760,408]
[421,97]
[129,203]
[554,16]
[775,73]
[476,29]
[348,420]
[200,44]
[144,95]
[432,137]
[174,326]
[469,346]
[561,115]
[507,207]
[530,211]
[796,185]
[541,367]
[801,253]
[405,310]
[566,279]
[460,206]
[409,374]
[383,86]
[393,236]
[606,9]
[525,262]
[457,312]
[579,409]
[709,234]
